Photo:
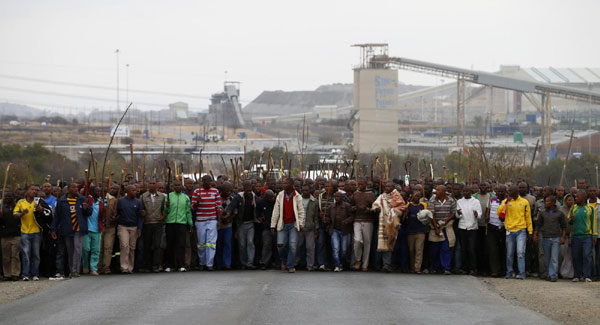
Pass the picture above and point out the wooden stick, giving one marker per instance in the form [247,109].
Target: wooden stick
[5,179]
[133,171]
[224,166]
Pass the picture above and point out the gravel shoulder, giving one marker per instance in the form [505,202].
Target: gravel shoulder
[10,291]
[563,301]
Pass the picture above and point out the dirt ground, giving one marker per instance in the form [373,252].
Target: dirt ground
[563,301]
[10,291]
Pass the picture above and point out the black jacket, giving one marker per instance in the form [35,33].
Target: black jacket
[9,225]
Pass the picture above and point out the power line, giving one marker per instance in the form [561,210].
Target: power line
[49,93]
[66,83]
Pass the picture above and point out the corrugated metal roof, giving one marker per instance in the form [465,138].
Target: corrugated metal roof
[564,75]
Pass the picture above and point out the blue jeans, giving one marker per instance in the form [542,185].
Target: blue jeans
[551,250]
[441,254]
[287,240]
[582,256]
[339,253]
[207,242]
[30,254]
[246,243]
[518,239]
[223,257]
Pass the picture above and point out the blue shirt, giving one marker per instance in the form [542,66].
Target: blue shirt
[51,200]
[413,225]
[93,219]
[129,213]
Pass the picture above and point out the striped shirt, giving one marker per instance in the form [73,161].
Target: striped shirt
[73,211]
[442,211]
[208,203]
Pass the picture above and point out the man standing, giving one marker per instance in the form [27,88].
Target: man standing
[49,198]
[70,220]
[225,233]
[532,261]
[310,231]
[390,205]
[496,237]
[288,220]
[206,202]
[516,213]
[340,228]
[108,235]
[31,237]
[243,208]
[482,251]
[468,214]
[152,207]
[179,218]
[442,236]
[363,224]
[552,222]
[10,233]
[91,241]
[130,219]
[583,218]
[264,208]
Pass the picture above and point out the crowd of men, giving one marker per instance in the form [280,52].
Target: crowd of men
[361,224]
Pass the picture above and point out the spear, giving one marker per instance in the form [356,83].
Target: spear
[112,137]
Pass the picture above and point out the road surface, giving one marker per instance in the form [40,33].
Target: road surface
[268,297]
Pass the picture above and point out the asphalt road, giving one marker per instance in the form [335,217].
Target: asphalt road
[268,297]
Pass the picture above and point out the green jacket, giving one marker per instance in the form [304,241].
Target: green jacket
[179,210]
[583,219]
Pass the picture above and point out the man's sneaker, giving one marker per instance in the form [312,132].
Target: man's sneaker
[447,272]
[251,267]
[553,280]
[168,270]
[94,273]
[182,269]
[25,278]
[337,269]
[586,279]
[309,268]
[292,270]
[59,275]
[74,275]
[575,280]
[210,268]
[357,266]
[37,278]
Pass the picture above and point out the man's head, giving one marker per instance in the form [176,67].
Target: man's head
[389,187]
[548,191]
[514,191]
[362,184]
[550,202]
[206,181]
[560,192]
[306,191]
[248,188]
[581,184]
[9,197]
[351,186]
[47,188]
[592,193]
[456,190]
[226,189]
[581,197]
[73,189]
[501,191]
[440,192]
[484,187]
[270,196]
[177,187]
[288,185]
[131,191]
[152,186]
[339,197]
[188,184]
[95,191]
[467,192]
[523,189]
[416,197]
[114,190]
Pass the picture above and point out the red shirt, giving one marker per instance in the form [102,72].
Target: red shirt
[288,208]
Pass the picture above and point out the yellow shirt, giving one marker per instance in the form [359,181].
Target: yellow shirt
[518,215]
[28,224]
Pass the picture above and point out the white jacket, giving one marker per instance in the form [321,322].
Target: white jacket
[277,218]
[467,220]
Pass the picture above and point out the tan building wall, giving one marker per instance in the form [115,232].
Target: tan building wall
[376,98]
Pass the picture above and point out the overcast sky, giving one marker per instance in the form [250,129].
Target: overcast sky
[186,46]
